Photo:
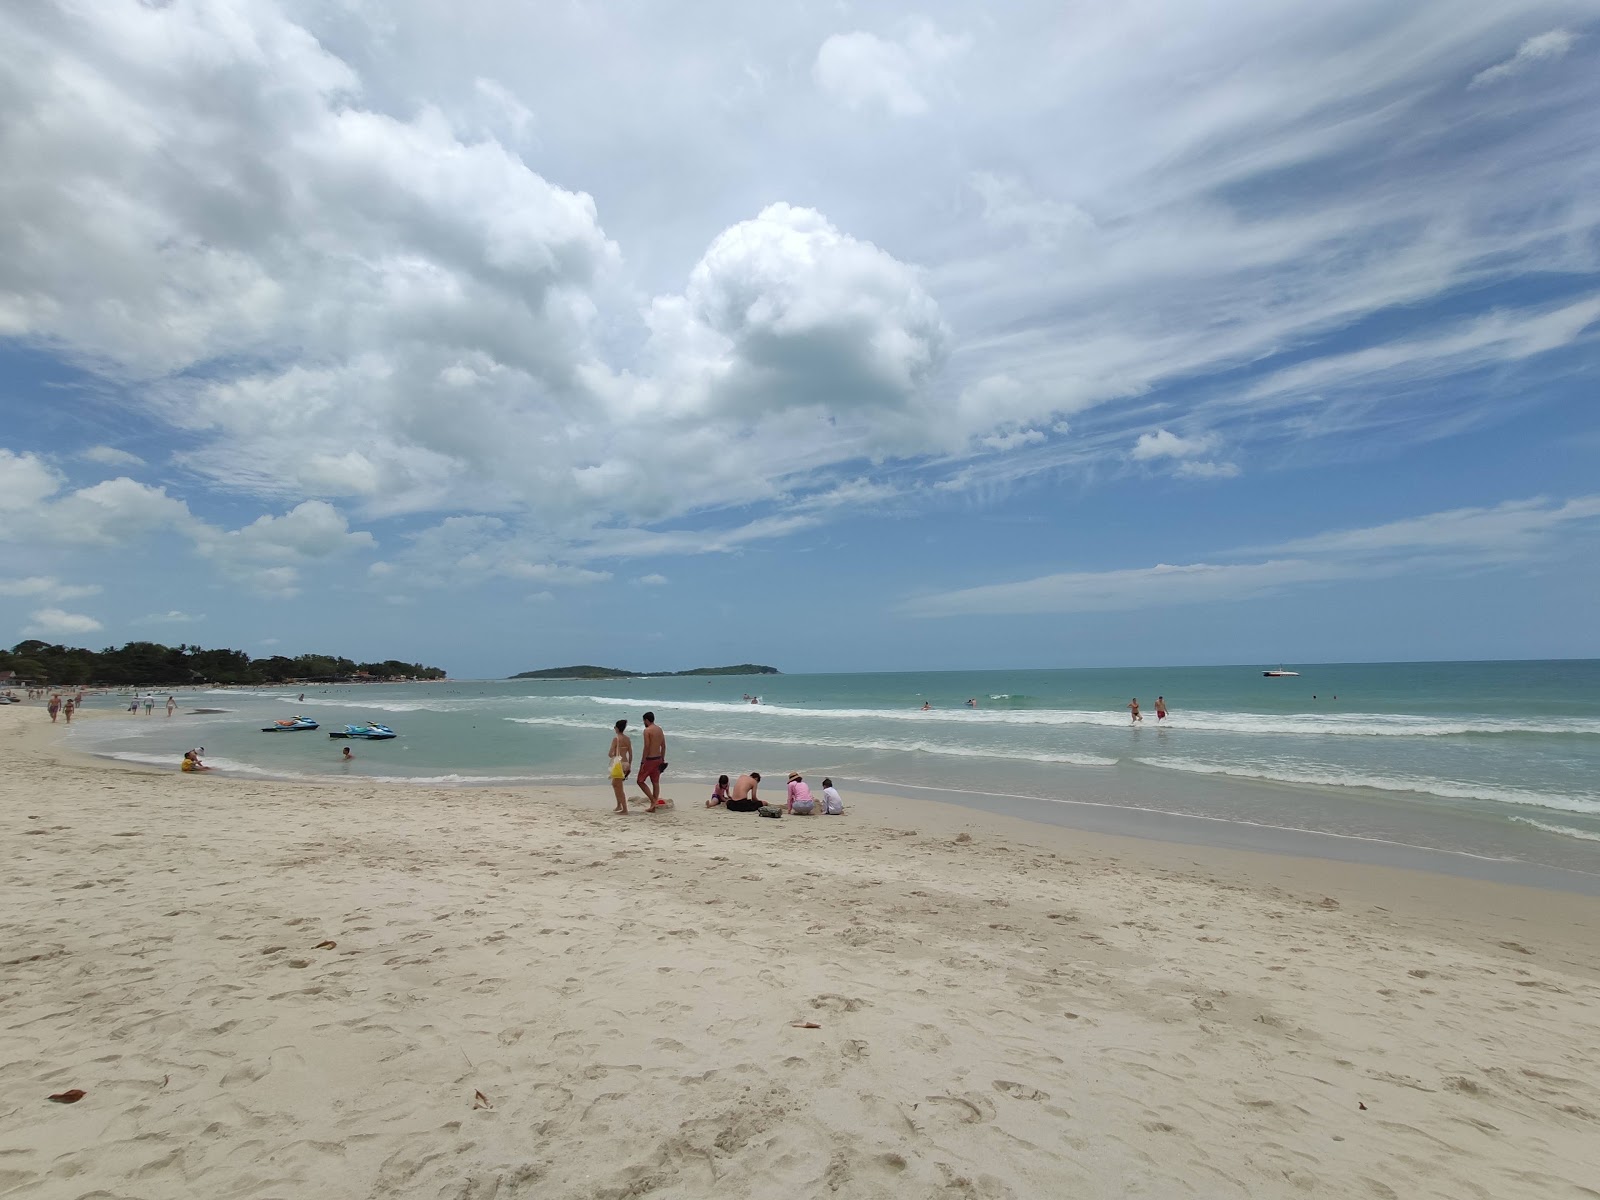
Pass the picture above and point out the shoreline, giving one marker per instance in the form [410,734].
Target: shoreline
[269,988]
[1140,824]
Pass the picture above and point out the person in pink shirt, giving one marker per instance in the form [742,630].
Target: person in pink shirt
[800,799]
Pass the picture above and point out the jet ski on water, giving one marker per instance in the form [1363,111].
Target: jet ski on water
[289,724]
[371,731]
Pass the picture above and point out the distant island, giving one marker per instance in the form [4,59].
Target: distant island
[587,672]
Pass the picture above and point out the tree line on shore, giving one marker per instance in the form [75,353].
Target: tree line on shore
[138,664]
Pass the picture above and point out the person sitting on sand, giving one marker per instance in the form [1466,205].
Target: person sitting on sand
[191,762]
[719,794]
[744,793]
[801,802]
[832,802]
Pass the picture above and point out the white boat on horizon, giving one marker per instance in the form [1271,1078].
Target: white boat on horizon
[1280,673]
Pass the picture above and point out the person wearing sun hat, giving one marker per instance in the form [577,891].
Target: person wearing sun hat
[801,802]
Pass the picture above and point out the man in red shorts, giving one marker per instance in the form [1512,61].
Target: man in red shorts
[655,758]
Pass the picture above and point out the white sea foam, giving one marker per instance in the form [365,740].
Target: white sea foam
[1564,830]
[1314,724]
[952,749]
[1334,777]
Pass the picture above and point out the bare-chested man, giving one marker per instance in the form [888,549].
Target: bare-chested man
[655,757]
[744,793]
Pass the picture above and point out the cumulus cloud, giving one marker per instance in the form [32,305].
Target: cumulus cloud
[110,456]
[268,553]
[861,69]
[54,622]
[25,481]
[1165,444]
[786,310]
[652,580]
[1539,48]
[106,514]
[47,585]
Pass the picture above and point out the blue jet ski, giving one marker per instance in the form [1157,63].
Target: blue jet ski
[289,724]
[371,731]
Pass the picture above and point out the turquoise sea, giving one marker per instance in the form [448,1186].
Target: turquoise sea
[1493,762]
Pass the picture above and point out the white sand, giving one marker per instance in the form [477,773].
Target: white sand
[1029,1013]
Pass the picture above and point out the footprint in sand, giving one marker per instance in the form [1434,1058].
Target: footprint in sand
[836,1003]
[971,1109]
[1019,1091]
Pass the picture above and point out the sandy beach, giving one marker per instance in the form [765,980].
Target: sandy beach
[280,990]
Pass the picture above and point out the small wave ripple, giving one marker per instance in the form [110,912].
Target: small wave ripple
[1334,777]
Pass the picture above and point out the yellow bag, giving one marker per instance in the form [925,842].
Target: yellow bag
[618,771]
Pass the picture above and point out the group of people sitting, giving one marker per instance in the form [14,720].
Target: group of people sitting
[742,796]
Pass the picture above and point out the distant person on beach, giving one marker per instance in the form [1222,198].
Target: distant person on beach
[1133,707]
[149,705]
[191,762]
[54,707]
[70,707]
[801,802]
[621,753]
[347,756]
[926,706]
[172,704]
[720,793]
[832,802]
[1161,708]
[653,762]
[972,702]
[744,793]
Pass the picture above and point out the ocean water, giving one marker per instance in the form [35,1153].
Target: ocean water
[1498,761]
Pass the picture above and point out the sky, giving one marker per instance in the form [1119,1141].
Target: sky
[834,337]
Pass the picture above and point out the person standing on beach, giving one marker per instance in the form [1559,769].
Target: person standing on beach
[71,707]
[172,704]
[1161,709]
[621,753]
[54,707]
[1133,707]
[655,758]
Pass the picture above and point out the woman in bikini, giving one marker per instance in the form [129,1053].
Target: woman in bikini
[621,754]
